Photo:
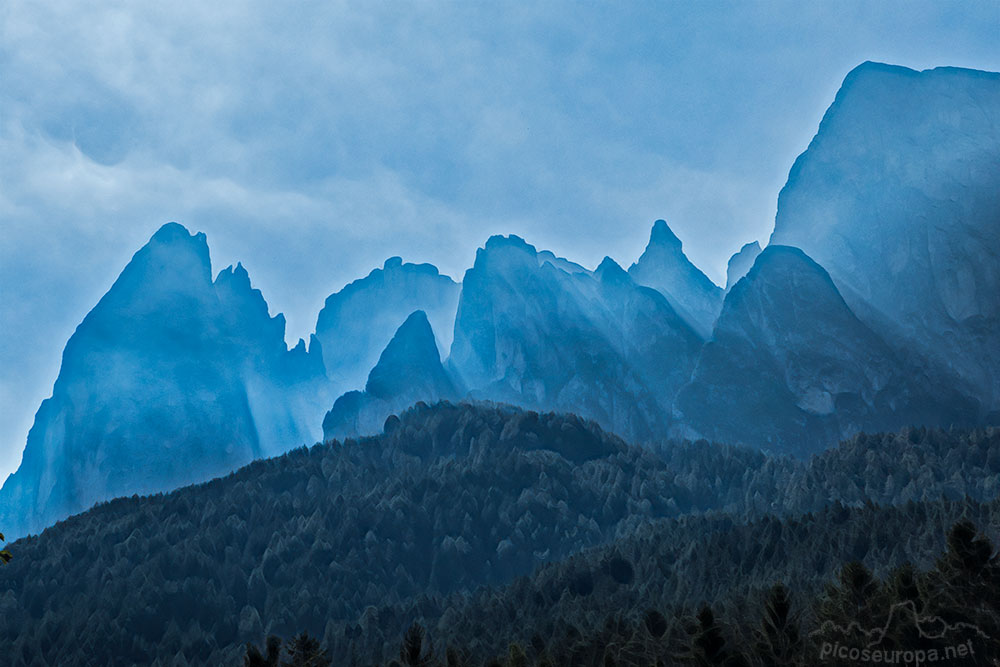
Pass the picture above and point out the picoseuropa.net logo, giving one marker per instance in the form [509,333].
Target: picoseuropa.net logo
[933,639]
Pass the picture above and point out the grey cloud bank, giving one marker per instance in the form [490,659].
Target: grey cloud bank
[312,143]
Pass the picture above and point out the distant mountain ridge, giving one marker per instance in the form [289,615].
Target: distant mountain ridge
[875,306]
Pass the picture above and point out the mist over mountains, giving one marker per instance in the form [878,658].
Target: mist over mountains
[876,305]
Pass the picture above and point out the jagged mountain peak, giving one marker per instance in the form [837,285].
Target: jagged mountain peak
[172,258]
[790,278]
[237,273]
[408,370]
[664,267]
[777,256]
[662,235]
[740,263]
[174,232]
[509,245]
[409,358]
[611,271]
[508,240]
[233,283]
[787,346]
[357,322]
[393,269]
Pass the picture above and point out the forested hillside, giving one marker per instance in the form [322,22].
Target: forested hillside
[640,600]
[353,541]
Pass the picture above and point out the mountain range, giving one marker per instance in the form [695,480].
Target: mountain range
[875,305]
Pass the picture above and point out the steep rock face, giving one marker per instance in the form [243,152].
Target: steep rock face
[665,268]
[153,389]
[409,370]
[357,322]
[287,390]
[531,333]
[740,263]
[790,368]
[145,399]
[898,197]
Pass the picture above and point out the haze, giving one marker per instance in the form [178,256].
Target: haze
[313,141]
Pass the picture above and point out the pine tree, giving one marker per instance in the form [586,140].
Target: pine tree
[852,599]
[412,653]
[709,647]
[967,585]
[779,639]
[270,657]
[305,651]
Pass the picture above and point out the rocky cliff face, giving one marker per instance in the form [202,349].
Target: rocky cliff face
[596,344]
[665,268]
[286,389]
[159,387]
[790,368]
[358,322]
[898,197]
[409,370]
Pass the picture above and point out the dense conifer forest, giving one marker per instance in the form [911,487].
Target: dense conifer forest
[481,526]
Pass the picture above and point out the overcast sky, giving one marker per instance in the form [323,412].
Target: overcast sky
[313,140]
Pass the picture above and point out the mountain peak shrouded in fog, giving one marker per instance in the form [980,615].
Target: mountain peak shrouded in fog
[664,267]
[145,397]
[357,322]
[898,197]
[533,333]
[408,370]
[791,367]
[170,379]
[410,360]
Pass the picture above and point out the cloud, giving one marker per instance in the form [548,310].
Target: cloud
[312,140]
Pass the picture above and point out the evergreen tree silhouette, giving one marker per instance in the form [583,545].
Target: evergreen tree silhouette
[412,653]
[966,588]
[655,623]
[779,639]
[516,656]
[270,657]
[709,647]
[853,599]
[305,651]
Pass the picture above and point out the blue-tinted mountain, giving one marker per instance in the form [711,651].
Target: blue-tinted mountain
[409,370]
[898,197]
[740,263]
[286,389]
[790,368]
[664,267]
[170,379]
[357,322]
[597,344]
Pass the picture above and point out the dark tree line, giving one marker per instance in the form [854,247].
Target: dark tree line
[455,505]
[953,603]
